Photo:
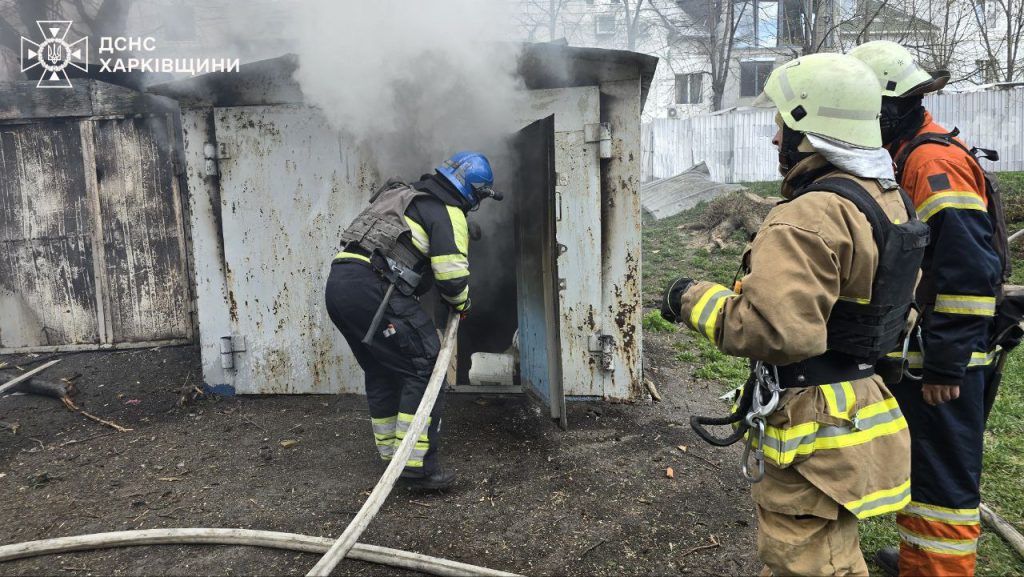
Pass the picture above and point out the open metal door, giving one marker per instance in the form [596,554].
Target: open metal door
[540,363]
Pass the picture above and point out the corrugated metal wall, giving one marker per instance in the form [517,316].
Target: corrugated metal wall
[736,145]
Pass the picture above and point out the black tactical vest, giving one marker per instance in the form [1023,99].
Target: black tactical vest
[867,331]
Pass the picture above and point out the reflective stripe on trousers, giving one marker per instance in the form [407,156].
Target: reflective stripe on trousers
[937,540]
[422,444]
[384,436]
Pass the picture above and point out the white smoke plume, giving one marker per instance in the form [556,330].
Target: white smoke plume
[412,81]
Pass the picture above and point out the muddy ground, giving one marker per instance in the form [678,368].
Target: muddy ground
[593,500]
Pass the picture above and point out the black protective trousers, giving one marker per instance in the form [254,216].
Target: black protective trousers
[398,361]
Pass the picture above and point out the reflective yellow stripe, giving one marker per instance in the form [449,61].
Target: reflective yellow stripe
[965,305]
[356,256]
[881,502]
[935,203]
[704,316]
[449,266]
[857,300]
[943,514]
[840,399]
[916,361]
[457,299]
[871,422]
[420,239]
[938,544]
[460,229]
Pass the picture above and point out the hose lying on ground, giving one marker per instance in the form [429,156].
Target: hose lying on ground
[418,426]
[249,537]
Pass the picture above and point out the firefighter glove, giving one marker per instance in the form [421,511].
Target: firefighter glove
[670,303]
[463,309]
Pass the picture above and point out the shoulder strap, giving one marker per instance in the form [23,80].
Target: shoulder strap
[864,202]
[943,138]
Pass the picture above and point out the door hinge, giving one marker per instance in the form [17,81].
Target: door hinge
[602,134]
[229,347]
[604,345]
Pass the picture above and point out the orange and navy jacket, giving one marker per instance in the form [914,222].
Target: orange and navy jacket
[961,270]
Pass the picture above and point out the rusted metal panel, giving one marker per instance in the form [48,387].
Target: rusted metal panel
[578,213]
[47,283]
[289,185]
[142,230]
[212,298]
[621,105]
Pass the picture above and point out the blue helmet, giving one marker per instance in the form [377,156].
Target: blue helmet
[471,174]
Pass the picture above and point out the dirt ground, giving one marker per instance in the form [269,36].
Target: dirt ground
[593,500]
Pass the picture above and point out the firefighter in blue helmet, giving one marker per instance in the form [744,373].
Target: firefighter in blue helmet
[409,235]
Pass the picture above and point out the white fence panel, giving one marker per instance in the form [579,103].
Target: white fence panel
[736,145]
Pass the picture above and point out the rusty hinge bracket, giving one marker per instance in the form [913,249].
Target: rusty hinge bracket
[230,346]
[600,133]
[604,345]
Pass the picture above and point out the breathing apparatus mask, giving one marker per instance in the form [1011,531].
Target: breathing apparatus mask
[789,149]
[901,117]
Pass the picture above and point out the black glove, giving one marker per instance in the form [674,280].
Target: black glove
[670,303]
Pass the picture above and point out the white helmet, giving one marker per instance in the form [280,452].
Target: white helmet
[830,95]
[897,70]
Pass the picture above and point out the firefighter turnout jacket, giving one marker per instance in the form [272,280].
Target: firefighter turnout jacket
[412,223]
[961,270]
[846,440]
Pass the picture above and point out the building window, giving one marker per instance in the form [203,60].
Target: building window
[985,71]
[604,24]
[753,75]
[757,23]
[988,12]
[688,88]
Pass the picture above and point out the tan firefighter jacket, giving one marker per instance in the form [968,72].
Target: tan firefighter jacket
[848,439]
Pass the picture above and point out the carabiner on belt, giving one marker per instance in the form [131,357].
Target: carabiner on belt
[756,424]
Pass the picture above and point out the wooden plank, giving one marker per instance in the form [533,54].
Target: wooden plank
[25,376]
[47,281]
[141,232]
[23,100]
[1007,531]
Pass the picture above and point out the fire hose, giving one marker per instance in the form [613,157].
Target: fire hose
[335,551]
[373,503]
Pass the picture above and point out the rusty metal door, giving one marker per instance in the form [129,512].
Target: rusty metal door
[93,233]
[288,187]
[540,359]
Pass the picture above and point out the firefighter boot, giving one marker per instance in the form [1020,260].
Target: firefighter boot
[439,480]
[888,560]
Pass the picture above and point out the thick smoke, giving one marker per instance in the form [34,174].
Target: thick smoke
[411,81]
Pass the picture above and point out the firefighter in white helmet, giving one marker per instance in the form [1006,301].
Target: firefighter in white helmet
[828,285]
[956,360]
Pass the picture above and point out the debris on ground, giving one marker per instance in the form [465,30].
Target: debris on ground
[670,196]
[724,216]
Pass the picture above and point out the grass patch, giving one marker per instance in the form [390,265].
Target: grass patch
[714,364]
[654,323]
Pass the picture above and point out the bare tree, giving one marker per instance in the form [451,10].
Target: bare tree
[1003,49]
[712,31]
[634,22]
[552,18]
